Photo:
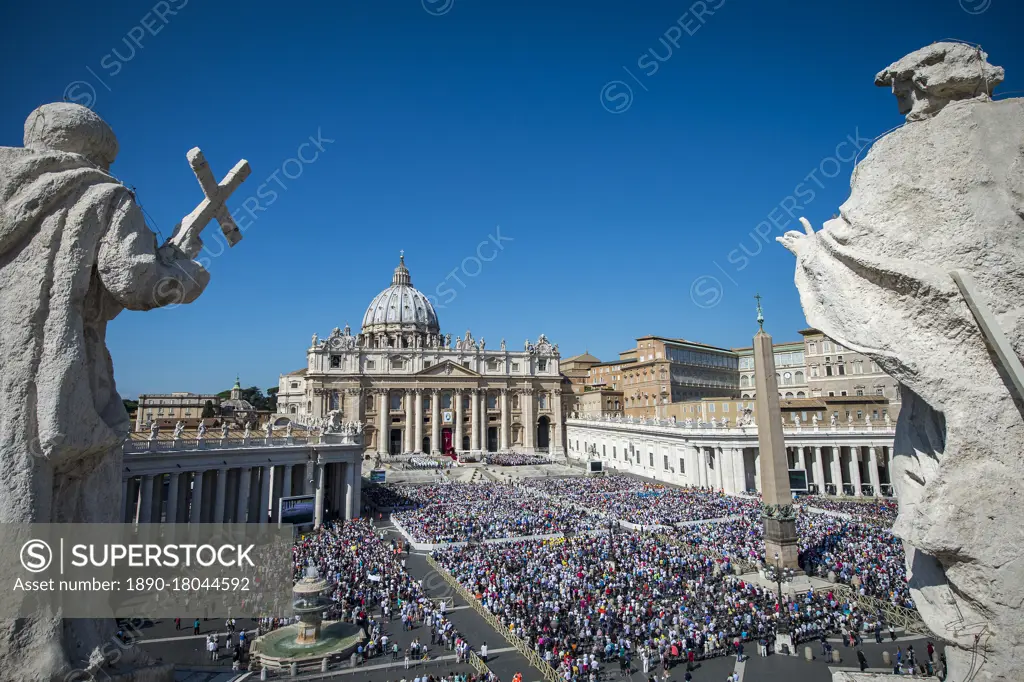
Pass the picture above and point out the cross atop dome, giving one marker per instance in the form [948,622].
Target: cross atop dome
[401,276]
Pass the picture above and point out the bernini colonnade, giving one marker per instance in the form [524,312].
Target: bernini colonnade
[838,460]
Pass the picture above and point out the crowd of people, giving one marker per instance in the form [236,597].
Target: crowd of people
[508,513]
[588,602]
[880,511]
[637,502]
[865,555]
[514,459]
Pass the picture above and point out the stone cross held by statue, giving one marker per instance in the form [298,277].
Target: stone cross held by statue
[186,235]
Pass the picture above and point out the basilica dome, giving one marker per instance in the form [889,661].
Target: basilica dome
[400,307]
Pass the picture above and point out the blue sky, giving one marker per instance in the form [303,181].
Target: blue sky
[624,186]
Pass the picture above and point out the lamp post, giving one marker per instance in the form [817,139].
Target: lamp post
[780,576]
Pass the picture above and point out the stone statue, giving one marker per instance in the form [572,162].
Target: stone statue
[888,420]
[700,423]
[359,426]
[814,420]
[834,421]
[867,421]
[796,420]
[201,432]
[154,431]
[714,423]
[448,341]
[74,252]
[224,430]
[482,343]
[179,428]
[458,343]
[943,193]
[526,344]
[316,339]
[246,434]
[688,423]
[288,430]
[725,422]
[503,344]
[268,430]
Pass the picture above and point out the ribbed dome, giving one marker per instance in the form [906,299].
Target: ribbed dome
[400,306]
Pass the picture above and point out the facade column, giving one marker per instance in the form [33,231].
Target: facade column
[146,504]
[855,469]
[558,446]
[529,421]
[876,483]
[435,421]
[196,510]
[695,469]
[474,419]
[458,420]
[799,457]
[410,418]
[172,498]
[418,416]
[244,486]
[728,478]
[266,474]
[384,423]
[318,509]
[837,469]
[503,443]
[220,499]
[819,471]
[720,466]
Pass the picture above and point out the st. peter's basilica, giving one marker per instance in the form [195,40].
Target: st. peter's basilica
[415,390]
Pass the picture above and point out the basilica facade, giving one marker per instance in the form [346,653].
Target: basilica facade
[417,391]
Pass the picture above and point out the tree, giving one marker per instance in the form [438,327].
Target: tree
[208,410]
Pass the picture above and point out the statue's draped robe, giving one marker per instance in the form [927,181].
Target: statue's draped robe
[74,252]
[937,195]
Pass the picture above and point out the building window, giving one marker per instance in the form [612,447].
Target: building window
[292,409]
[492,401]
[515,366]
[812,347]
[879,391]
[370,364]
[370,406]
[651,456]
[335,361]
[860,391]
[682,465]
[542,365]
[492,365]
[842,393]
[828,370]
[397,363]
[446,401]
[615,452]
[427,363]
[798,377]
[396,401]
[666,462]
[294,384]
[874,414]
[542,401]
[831,394]
[711,407]
[860,415]
[826,346]
[604,451]
[842,370]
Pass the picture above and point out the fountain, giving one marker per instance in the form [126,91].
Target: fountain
[309,641]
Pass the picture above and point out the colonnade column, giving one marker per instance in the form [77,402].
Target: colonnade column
[819,471]
[220,499]
[719,467]
[384,423]
[800,458]
[695,458]
[308,476]
[244,486]
[352,485]
[265,479]
[876,483]
[757,470]
[855,470]
[286,484]
[318,507]
[146,503]
[837,469]
[504,442]
[474,419]
[409,418]
[172,498]
[739,470]
[435,421]
[728,476]
[196,510]
[417,446]
[458,420]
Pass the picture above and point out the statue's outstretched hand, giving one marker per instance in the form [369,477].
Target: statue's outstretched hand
[796,241]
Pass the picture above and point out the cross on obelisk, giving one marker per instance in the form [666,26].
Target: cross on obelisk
[777,507]
[186,235]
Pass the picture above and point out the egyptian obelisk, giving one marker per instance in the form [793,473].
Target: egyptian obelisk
[777,505]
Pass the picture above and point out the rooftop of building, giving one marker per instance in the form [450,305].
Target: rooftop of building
[582,357]
[683,342]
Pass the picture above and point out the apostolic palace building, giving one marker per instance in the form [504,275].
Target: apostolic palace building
[416,390]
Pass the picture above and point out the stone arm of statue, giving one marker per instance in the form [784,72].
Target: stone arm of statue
[137,273]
